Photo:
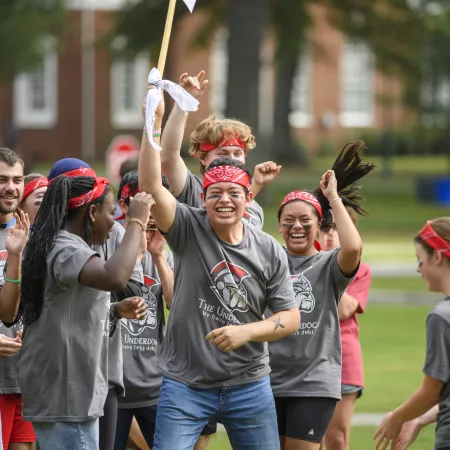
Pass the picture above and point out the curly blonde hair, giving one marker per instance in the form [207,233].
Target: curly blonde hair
[214,131]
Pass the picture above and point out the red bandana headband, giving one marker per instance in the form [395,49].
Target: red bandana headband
[231,141]
[304,196]
[126,192]
[33,185]
[97,191]
[435,241]
[230,174]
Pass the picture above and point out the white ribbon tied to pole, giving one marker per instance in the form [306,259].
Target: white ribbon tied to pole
[182,98]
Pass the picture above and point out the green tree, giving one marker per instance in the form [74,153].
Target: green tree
[23,25]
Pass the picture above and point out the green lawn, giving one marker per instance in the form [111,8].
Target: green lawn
[399,284]
[361,439]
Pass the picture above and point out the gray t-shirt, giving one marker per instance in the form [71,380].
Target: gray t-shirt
[191,197]
[115,357]
[141,340]
[62,367]
[437,365]
[308,363]
[216,285]
[8,376]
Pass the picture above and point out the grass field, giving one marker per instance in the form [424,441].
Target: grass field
[393,342]
[399,284]
[361,439]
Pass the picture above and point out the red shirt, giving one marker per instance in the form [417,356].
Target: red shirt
[352,364]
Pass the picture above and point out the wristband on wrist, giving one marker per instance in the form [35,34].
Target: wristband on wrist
[334,199]
[10,280]
[138,222]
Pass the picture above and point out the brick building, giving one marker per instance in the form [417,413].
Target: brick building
[81,98]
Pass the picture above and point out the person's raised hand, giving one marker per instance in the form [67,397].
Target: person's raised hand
[18,234]
[328,184]
[140,206]
[194,85]
[265,173]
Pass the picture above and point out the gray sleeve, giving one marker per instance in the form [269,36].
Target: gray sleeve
[340,281]
[68,261]
[258,214]
[437,362]
[191,193]
[181,230]
[280,292]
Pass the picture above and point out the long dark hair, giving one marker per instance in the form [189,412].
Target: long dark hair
[51,218]
[348,168]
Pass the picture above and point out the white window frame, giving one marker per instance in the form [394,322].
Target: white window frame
[132,118]
[301,115]
[25,116]
[362,80]
[218,70]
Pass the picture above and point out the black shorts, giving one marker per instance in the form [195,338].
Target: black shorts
[304,418]
[211,427]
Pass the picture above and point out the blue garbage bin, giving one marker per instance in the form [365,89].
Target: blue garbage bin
[442,190]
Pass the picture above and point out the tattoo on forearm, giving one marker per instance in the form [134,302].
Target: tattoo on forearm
[277,323]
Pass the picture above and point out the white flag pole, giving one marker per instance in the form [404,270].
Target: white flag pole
[166,37]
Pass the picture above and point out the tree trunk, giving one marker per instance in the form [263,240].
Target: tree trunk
[284,149]
[246,22]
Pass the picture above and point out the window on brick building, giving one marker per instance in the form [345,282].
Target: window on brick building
[127,87]
[36,92]
[301,105]
[357,85]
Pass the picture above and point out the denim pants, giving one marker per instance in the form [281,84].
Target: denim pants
[65,435]
[247,412]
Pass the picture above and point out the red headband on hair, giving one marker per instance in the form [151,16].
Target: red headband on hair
[231,141]
[435,241]
[97,191]
[304,196]
[126,192]
[230,174]
[33,185]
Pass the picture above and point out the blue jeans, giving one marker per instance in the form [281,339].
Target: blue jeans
[65,435]
[146,419]
[246,411]
[442,448]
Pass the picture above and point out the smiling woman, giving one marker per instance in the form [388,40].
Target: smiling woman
[306,398]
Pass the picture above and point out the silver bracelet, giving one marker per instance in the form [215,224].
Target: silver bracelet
[334,199]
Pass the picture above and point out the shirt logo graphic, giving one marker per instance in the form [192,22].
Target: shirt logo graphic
[136,327]
[227,285]
[303,293]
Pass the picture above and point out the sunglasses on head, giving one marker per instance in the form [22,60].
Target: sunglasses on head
[326,227]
